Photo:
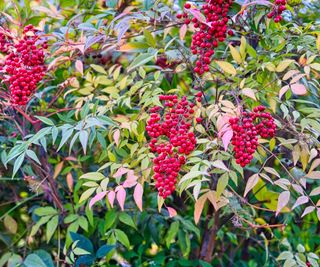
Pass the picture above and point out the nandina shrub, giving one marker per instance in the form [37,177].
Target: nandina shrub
[137,134]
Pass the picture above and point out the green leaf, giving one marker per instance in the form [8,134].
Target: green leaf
[17,164]
[150,39]
[184,243]
[33,260]
[134,47]
[40,134]
[5,258]
[83,223]
[44,211]
[10,224]
[33,156]
[93,176]
[122,238]
[104,250]
[172,232]
[65,136]
[285,255]
[51,227]
[84,136]
[45,120]
[86,194]
[54,133]
[126,219]
[141,60]
[98,68]
[222,184]
[15,152]
[83,242]
[110,218]
[80,251]
[191,175]
[71,218]
[42,221]
[45,257]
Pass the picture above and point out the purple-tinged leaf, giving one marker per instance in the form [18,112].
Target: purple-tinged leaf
[300,201]
[308,210]
[282,201]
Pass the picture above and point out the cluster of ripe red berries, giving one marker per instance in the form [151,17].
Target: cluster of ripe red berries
[246,130]
[210,33]
[5,42]
[279,7]
[24,65]
[171,138]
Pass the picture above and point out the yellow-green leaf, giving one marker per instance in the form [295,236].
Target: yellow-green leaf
[235,54]
[87,194]
[150,39]
[227,67]
[243,47]
[283,65]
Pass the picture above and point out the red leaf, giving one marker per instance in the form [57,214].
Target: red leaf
[137,195]
[121,171]
[226,138]
[96,198]
[111,197]
[183,31]
[116,136]
[79,66]
[121,196]
[131,180]
[298,89]
[283,90]
[172,212]
[198,15]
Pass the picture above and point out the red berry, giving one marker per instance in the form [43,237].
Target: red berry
[187,6]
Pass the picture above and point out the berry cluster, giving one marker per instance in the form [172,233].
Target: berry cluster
[24,66]
[171,138]
[210,32]
[246,130]
[5,42]
[278,8]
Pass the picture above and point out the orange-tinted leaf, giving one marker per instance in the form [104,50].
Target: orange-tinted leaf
[57,169]
[198,207]
[172,212]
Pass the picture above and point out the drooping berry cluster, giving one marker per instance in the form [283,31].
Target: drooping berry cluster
[246,130]
[210,32]
[25,66]
[171,139]
[278,8]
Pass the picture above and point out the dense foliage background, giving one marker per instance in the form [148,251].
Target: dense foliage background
[76,173]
